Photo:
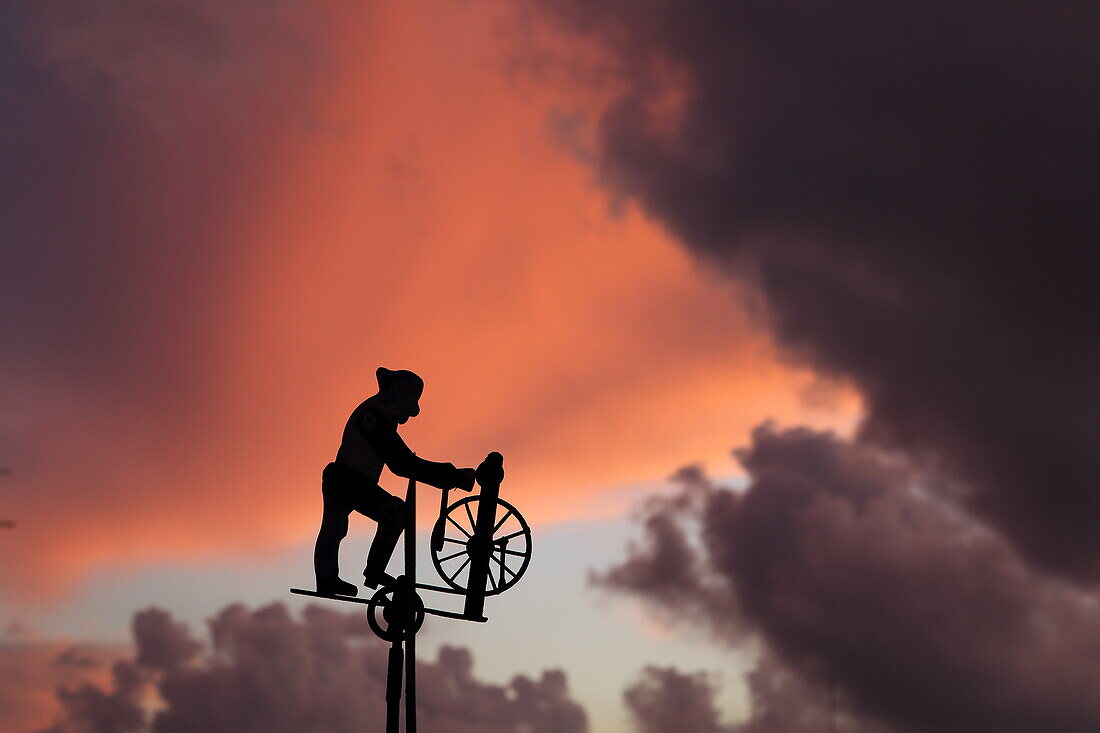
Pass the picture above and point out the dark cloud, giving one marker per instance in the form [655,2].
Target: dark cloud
[667,569]
[91,709]
[265,670]
[32,671]
[129,134]
[666,700]
[782,700]
[857,576]
[911,188]
[76,657]
[162,643]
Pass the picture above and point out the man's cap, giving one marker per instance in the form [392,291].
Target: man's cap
[404,384]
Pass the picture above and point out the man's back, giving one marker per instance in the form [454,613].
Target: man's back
[358,447]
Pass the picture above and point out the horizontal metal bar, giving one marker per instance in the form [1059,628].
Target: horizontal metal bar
[364,601]
[440,589]
[454,615]
[315,594]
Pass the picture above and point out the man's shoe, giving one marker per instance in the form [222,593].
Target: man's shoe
[336,587]
[373,580]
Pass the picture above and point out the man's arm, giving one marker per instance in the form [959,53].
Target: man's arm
[405,464]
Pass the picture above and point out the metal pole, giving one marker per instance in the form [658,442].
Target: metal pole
[393,687]
[410,582]
[489,475]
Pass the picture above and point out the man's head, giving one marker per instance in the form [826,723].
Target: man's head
[399,390]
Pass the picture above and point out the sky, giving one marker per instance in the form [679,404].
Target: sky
[780,316]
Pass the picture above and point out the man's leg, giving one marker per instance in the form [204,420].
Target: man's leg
[389,512]
[334,527]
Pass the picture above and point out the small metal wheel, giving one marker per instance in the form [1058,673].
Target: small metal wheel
[382,614]
[454,532]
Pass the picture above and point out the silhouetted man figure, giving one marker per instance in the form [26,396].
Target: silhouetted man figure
[351,481]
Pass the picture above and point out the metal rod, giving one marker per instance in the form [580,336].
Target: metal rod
[440,589]
[444,501]
[460,527]
[393,687]
[410,581]
[460,569]
[502,520]
[315,594]
[452,556]
[489,475]
[452,614]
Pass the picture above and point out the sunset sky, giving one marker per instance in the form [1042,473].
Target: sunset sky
[780,315]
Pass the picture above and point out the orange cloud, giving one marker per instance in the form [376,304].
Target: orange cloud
[428,221]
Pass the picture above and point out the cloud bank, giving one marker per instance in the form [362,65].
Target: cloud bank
[32,670]
[664,700]
[909,187]
[907,191]
[264,670]
[844,561]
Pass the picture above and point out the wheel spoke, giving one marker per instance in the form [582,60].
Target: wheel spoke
[473,522]
[457,542]
[460,527]
[506,551]
[492,582]
[503,568]
[449,557]
[514,534]
[460,567]
[502,520]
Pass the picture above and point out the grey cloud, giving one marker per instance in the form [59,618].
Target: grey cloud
[162,642]
[32,670]
[851,570]
[908,189]
[665,700]
[265,670]
[911,189]
[91,709]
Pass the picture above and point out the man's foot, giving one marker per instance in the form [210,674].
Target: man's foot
[336,587]
[373,580]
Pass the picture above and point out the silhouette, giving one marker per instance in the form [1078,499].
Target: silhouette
[480,545]
[350,483]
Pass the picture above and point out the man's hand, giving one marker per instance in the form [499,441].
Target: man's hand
[464,478]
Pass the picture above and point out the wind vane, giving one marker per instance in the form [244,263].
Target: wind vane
[480,546]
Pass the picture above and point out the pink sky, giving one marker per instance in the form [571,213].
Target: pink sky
[426,218]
